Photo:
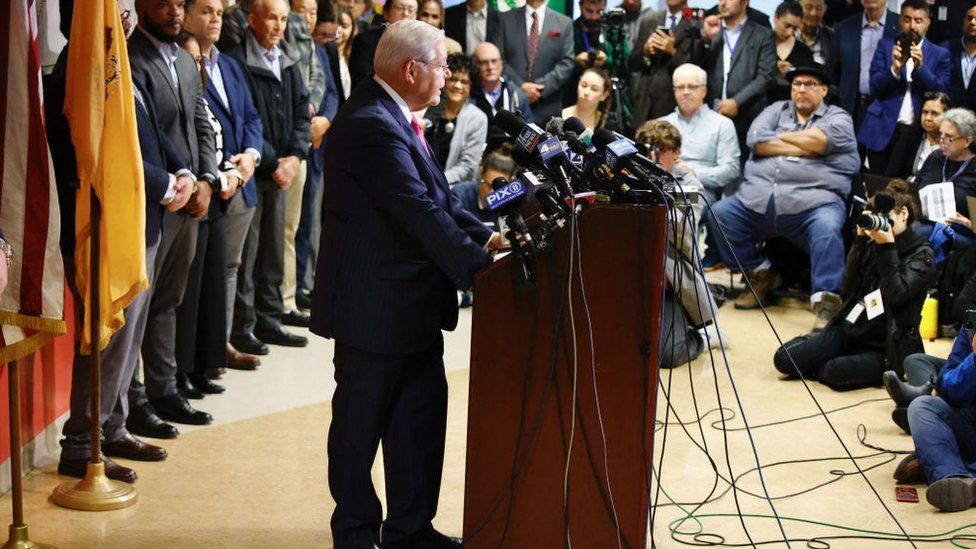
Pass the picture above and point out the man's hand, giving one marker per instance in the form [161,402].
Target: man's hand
[533,91]
[320,125]
[681,164]
[897,61]
[728,107]
[496,243]
[232,183]
[662,42]
[916,52]
[287,168]
[244,163]
[711,27]
[184,186]
[200,201]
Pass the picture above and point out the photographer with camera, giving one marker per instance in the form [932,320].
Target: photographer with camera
[886,277]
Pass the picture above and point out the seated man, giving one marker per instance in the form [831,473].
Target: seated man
[689,309]
[795,183]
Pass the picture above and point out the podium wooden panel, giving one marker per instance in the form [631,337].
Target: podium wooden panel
[514,493]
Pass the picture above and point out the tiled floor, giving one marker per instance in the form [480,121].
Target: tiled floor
[257,477]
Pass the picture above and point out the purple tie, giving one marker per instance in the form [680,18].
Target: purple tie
[533,42]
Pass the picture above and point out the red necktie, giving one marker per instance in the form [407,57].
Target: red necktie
[418,129]
[533,42]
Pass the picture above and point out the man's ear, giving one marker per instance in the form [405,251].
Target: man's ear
[410,71]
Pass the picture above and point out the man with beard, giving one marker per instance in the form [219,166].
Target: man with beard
[170,77]
[962,61]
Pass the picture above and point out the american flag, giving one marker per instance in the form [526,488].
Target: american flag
[32,305]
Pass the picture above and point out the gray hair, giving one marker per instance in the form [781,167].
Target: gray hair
[405,40]
[692,70]
[963,119]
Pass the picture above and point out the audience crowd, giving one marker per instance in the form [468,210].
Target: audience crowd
[794,130]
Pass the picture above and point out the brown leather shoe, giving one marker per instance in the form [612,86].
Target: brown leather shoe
[909,471]
[78,467]
[825,309]
[129,447]
[763,282]
[241,361]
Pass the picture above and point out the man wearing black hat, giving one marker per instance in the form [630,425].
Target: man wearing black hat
[803,155]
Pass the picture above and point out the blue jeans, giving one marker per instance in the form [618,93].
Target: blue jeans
[817,231]
[945,437]
[306,238]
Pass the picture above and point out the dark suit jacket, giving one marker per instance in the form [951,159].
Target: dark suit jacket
[159,159]
[239,120]
[182,113]
[653,96]
[396,244]
[752,72]
[844,62]
[553,60]
[332,52]
[456,23]
[889,92]
[949,28]
[361,58]
[62,151]
[904,147]
[752,14]
[959,94]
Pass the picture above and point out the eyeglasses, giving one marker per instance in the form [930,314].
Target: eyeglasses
[487,62]
[943,138]
[444,68]
[805,84]
[688,87]
[405,10]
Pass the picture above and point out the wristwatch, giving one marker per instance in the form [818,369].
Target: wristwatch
[7,251]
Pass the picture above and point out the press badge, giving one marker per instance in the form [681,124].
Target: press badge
[873,304]
[855,313]
[943,13]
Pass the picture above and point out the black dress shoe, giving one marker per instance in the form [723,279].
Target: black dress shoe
[78,467]
[280,336]
[187,388]
[303,299]
[204,384]
[175,408]
[428,539]
[249,344]
[296,318]
[900,417]
[902,393]
[129,447]
[144,422]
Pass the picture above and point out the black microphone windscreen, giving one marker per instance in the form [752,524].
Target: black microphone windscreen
[602,137]
[555,125]
[573,124]
[522,158]
[498,183]
[510,122]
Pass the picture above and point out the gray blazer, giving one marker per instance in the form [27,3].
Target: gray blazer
[753,70]
[191,133]
[554,59]
[467,144]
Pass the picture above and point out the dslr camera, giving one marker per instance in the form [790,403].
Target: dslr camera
[878,220]
[613,19]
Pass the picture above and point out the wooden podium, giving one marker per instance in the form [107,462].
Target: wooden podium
[521,391]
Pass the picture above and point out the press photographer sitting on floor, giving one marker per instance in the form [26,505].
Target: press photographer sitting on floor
[886,276]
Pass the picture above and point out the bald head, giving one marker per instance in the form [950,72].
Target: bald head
[268,20]
[489,61]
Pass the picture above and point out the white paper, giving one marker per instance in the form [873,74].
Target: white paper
[938,201]
[874,304]
[855,313]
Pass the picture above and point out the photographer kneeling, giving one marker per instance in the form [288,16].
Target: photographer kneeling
[887,273]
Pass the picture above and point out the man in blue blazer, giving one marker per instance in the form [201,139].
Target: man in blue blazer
[962,86]
[851,51]
[396,247]
[898,84]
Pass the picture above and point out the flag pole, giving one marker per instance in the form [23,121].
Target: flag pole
[95,492]
[18,530]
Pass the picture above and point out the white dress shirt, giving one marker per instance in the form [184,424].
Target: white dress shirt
[730,39]
[169,52]
[477,28]
[529,10]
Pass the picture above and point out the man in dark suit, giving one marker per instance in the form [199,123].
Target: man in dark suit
[475,16]
[898,83]
[962,52]
[851,51]
[172,81]
[541,71]
[396,247]
[740,57]
[364,44]
[278,90]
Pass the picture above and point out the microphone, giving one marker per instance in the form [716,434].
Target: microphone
[506,199]
[526,135]
[576,126]
[546,151]
[620,154]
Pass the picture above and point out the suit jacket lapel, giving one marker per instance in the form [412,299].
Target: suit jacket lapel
[744,37]
[156,59]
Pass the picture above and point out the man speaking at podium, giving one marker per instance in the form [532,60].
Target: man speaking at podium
[395,248]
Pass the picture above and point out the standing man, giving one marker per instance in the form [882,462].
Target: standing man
[492,92]
[171,79]
[851,51]
[898,83]
[536,44]
[364,44]
[740,58]
[278,90]
[230,101]
[812,31]
[396,247]
[470,23]
[962,61]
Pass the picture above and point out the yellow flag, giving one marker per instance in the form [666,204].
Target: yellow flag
[100,108]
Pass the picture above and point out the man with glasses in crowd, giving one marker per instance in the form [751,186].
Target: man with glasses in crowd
[493,92]
[364,45]
[803,157]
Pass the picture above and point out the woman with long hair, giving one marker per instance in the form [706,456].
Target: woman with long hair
[592,98]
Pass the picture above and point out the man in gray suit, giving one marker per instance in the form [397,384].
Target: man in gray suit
[740,58]
[170,76]
[537,46]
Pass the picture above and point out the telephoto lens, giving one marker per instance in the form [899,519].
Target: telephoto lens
[871,222]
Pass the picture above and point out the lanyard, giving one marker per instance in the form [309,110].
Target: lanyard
[725,38]
[959,171]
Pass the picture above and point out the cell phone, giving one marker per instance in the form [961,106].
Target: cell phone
[905,41]
[906,494]
[969,320]
[664,29]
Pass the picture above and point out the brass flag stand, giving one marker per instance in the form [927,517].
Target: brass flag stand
[95,492]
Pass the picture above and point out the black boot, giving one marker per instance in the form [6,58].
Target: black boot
[902,393]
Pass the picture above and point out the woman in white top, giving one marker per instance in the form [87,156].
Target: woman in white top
[592,99]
